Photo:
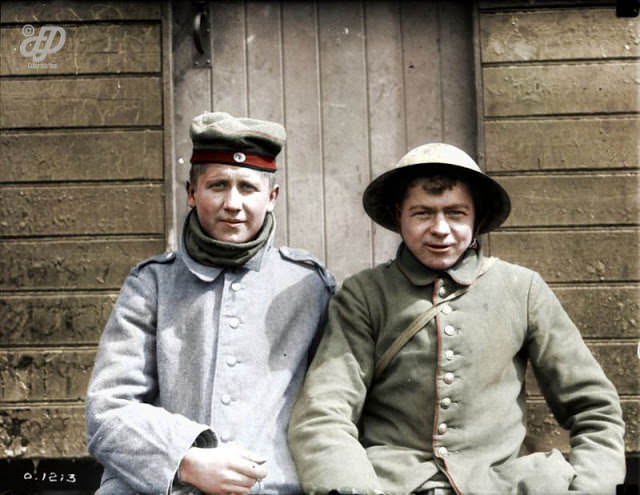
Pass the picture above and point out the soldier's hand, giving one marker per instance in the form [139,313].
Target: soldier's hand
[222,470]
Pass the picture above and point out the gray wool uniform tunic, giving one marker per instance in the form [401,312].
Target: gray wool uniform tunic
[452,402]
[197,355]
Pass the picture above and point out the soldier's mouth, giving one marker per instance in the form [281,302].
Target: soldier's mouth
[438,248]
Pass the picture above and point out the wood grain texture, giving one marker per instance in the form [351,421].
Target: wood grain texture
[37,375]
[82,210]
[345,136]
[265,84]
[562,144]
[386,98]
[192,94]
[574,33]
[573,256]
[550,89]
[79,10]
[88,49]
[544,433]
[62,156]
[81,102]
[604,311]
[619,362]
[422,72]
[229,74]
[54,319]
[46,431]
[304,187]
[570,200]
[458,92]
[71,264]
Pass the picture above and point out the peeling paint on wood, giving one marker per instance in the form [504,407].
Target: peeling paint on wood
[54,320]
[36,375]
[36,432]
[71,264]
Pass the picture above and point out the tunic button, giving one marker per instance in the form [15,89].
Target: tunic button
[443,428]
[449,354]
[236,286]
[232,361]
[226,399]
[445,403]
[443,452]
[446,309]
[442,291]
[449,330]
[448,378]
[234,322]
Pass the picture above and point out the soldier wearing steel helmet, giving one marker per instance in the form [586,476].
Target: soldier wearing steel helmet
[206,347]
[418,382]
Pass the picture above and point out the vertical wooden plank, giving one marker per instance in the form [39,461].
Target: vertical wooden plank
[422,72]
[386,104]
[229,67]
[264,84]
[304,191]
[345,139]
[458,94]
[192,96]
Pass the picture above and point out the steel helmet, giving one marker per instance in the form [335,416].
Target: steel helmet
[383,193]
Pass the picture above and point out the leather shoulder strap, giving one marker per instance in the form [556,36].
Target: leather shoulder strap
[420,322]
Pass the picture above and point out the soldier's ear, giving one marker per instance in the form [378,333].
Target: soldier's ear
[191,200]
[273,195]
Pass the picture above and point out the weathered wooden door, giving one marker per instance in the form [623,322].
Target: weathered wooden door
[355,83]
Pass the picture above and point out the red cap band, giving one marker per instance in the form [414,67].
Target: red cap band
[234,158]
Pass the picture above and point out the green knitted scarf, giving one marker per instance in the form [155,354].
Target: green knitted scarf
[208,251]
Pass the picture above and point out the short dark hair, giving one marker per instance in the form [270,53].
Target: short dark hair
[439,180]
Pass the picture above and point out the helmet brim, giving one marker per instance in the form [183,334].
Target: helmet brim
[384,193]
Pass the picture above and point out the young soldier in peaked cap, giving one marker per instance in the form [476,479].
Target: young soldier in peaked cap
[206,347]
[418,382]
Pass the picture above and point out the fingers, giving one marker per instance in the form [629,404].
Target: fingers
[222,470]
[247,454]
[247,463]
[248,469]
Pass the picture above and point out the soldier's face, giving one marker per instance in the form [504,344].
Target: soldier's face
[232,202]
[437,228]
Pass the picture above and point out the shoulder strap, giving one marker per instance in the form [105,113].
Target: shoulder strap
[419,323]
[305,258]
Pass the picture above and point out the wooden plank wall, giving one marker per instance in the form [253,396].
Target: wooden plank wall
[355,83]
[82,199]
[560,126]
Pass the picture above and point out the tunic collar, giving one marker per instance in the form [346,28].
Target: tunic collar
[210,273]
[464,272]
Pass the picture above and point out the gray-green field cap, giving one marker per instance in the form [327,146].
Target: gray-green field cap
[218,137]
[383,193]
